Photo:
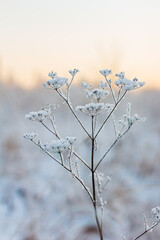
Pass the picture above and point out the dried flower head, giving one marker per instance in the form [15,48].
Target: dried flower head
[156,214]
[93,109]
[106,72]
[129,120]
[127,84]
[97,94]
[30,136]
[56,82]
[86,85]
[73,72]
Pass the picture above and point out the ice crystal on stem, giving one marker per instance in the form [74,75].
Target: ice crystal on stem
[102,182]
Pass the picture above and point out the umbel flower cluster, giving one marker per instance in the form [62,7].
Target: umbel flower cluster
[58,146]
[62,149]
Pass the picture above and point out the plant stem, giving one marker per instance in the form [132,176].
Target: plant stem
[111,89]
[74,153]
[60,163]
[115,141]
[48,129]
[110,114]
[75,115]
[146,231]
[93,183]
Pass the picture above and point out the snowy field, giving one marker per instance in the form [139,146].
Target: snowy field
[40,201]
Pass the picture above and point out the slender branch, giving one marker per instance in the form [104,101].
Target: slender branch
[69,159]
[119,92]
[110,114]
[114,125]
[77,169]
[68,88]
[82,183]
[48,129]
[115,141]
[93,183]
[104,186]
[61,157]
[95,122]
[54,126]
[38,145]
[147,230]
[74,153]
[84,186]
[105,154]
[75,115]
[111,89]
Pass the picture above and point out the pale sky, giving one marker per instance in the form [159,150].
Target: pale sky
[37,36]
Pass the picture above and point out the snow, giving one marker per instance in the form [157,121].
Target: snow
[39,200]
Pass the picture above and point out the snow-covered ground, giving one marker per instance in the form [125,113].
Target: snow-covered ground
[40,201]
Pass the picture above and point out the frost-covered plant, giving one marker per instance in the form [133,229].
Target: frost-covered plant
[62,150]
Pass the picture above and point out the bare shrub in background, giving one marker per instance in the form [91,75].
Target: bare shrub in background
[62,151]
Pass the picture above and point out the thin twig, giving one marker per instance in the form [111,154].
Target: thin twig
[114,125]
[74,153]
[75,115]
[54,126]
[115,141]
[119,92]
[61,157]
[68,88]
[111,89]
[146,231]
[69,159]
[38,145]
[110,114]
[48,129]
[82,183]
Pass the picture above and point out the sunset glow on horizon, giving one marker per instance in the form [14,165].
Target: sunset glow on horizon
[39,36]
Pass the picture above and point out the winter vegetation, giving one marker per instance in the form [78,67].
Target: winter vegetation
[90,134]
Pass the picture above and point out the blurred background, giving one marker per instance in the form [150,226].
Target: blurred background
[37,199]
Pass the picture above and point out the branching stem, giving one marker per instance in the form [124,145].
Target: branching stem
[112,91]
[115,141]
[93,183]
[82,183]
[74,153]
[147,230]
[73,112]
[110,114]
